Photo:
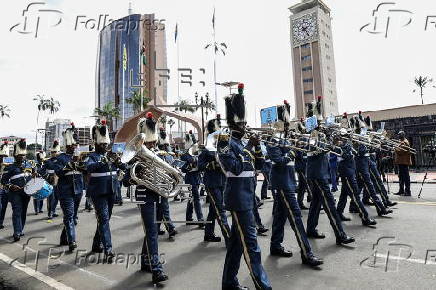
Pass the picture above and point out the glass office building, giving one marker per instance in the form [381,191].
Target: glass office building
[129,51]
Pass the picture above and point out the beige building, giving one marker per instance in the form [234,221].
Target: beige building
[313,57]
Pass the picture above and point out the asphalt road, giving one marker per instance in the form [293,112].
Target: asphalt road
[398,253]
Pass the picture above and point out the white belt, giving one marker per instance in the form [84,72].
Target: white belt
[50,171]
[309,154]
[19,175]
[74,172]
[103,174]
[290,163]
[242,175]
[366,154]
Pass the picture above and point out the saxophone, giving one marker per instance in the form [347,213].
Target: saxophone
[151,171]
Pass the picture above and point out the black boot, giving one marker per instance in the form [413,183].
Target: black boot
[281,252]
[369,222]
[316,235]
[392,203]
[311,260]
[72,246]
[212,239]
[109,257]
[385,212]
[344,240]
[159,277]
[172,233]
[262,230]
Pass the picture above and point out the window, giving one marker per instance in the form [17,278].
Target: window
[327,46]
[327,56]
[310,92]
[330,80]
[308,80]
[307,45]
[306,57]
[307,68]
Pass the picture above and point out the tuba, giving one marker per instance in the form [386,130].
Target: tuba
[151,171]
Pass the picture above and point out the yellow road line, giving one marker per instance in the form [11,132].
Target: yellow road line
[430,203]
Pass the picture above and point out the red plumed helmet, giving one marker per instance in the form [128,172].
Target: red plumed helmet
[319,98]
[149,115]
[345,114]
[240,86]
[6,142]
[190,131]
[285,102]
[103,122]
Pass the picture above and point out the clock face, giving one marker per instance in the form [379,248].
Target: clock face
[304,29]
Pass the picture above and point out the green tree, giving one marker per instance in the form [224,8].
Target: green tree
[44,104]
[422,82]
[4,111]
[108,112]
[184,106]
[135,100]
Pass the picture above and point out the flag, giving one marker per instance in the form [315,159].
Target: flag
[175,33]
[213,19]
[124,57]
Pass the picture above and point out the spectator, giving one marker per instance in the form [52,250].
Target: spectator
[403,160]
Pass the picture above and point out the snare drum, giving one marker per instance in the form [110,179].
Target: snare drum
[38,188]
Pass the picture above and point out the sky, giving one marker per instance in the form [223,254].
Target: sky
[373,72]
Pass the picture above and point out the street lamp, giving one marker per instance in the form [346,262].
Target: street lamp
[203,100]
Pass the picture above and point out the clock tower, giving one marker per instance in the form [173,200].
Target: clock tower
[313,57]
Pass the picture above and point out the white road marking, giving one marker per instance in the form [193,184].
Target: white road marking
[416,261]
[90,273]
[35,274]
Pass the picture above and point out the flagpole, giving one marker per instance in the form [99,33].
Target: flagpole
[214,65]
[178,75]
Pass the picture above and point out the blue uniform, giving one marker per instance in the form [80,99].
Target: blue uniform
[3,197]
[364,177]
[163,214]
[377,180]
[214,181]
[101,188]
[239,165]
[318,176]
[285,202]
[48,172]
[192,177]
[266,184]
[347,172]
[300,168]
[151,203]
[15,175]
[333,171]
[69,192]
[38,203]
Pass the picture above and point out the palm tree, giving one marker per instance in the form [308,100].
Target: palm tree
[171,123]
[108,112]
[4,111]
[184,106]
[422,82]
[44,104]
[135,100]
[163,120]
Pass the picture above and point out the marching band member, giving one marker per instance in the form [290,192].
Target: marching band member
[102,188]
[70,186]
[318,176]
[363,176]
[4,152]
[150,261]
[48,171]
[403,159]
[164,209]
[192,177]
[347,172]
[266,184]
[14,181]
[38,203]
[377,180]
[285,203]
[214,181]
[239,163]
[300,168]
